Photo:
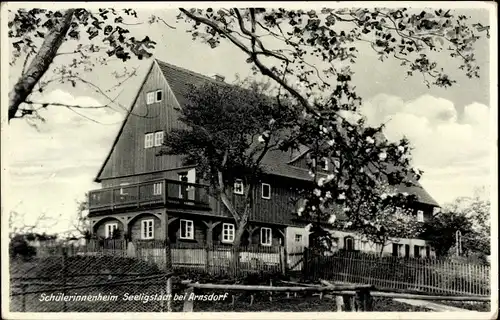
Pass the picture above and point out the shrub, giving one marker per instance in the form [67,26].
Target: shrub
[19,247]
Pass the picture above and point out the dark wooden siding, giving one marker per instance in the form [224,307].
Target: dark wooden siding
[135,227]
[129,157]
[280,209]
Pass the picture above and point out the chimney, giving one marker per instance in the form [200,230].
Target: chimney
[219,77]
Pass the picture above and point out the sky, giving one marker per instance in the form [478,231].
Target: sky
[52,166]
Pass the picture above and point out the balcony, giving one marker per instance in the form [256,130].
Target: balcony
[159,193]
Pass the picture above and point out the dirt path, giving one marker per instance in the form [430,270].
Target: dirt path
[432,305]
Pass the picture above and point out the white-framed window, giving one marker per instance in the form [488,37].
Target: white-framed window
[158,138]
[298,237]
[187,229]
[238,186]
[420,216]
[148,140]
[109,228]
[150,97]
[157,188]
[147,229]
[266,191]
[154,96]
[266,236]
[325,164]
[227,232]
[158,95]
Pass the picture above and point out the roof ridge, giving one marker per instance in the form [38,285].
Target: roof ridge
[181,69]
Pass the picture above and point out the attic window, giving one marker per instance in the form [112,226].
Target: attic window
[159,95]
[150,98]
[154,96]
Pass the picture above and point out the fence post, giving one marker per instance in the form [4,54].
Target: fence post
[23,297]
[363,300]
[207,258]
[348,302]
[168,269]
[188,303]
[64,265]
[283,260]
[339,303]
[305,263]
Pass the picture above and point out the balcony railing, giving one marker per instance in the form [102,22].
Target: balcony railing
[157,192]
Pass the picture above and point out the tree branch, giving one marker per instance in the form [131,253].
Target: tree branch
[40,63]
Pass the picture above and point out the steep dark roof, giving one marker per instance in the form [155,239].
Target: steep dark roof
[275,162]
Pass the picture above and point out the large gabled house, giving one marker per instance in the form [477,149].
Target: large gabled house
[151,197]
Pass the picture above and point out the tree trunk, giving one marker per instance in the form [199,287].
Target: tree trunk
[236,249]
[40,64]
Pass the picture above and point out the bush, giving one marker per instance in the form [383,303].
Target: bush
[19,247]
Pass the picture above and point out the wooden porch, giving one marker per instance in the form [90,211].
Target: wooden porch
[154,193]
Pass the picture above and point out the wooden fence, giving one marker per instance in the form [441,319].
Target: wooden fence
[433,276]
[215,259]
[424,275]
[347,297]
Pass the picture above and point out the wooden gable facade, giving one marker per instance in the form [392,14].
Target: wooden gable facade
[129,160]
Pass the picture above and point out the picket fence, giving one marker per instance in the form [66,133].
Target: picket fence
[214,259]
[431,275]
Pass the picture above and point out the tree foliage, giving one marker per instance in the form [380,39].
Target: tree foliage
[228,132]
[82,223]
[468,215]
[22,233]
[363,162]
[96,36]
[383,217]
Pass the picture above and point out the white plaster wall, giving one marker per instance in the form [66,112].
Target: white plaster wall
[291,244]
[362,244]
